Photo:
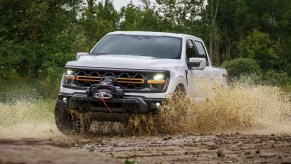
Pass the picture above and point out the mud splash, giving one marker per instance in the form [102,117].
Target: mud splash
[27,119]
[242,107]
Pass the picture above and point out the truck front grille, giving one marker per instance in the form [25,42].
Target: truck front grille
[125,80]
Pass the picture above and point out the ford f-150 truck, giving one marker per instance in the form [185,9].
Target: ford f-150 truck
[130,72]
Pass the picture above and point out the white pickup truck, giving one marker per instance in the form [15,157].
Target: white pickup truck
[130,73]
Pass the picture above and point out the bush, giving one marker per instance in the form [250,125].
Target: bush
[260,47]
[241,66]
[49,87]
[277,78]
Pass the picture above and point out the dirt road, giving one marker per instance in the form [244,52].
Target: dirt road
[188,148]
[194,148]
[36,151]
[261,114]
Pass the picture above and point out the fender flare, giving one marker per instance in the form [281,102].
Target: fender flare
[180,80]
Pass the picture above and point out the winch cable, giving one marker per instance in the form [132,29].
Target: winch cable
[104,102]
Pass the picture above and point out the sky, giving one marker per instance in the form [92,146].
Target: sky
[120,3]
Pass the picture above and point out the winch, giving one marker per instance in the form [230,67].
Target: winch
[105,90]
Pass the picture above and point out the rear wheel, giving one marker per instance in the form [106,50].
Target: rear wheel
[70,124]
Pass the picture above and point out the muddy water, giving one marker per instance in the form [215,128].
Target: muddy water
[241,123]
[238,108]
[243,108]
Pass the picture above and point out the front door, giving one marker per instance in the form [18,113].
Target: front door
[198,80]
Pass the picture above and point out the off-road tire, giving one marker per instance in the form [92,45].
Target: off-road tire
[68,123]
[180,93]
[180,90]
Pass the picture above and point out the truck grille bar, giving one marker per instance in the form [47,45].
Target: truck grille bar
[126,80]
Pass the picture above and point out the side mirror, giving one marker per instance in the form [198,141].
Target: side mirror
[198,63]
[79,54]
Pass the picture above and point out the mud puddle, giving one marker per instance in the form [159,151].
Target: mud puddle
[243,123]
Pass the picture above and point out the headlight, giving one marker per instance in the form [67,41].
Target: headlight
[69,72]
[159,77]
[69,76]
[159,81]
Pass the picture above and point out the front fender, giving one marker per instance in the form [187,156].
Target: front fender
[174,83]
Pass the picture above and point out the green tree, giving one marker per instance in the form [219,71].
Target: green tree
[33,29]
[180,16]
[139,18]
[284,32]
[96,21]
[129,16]
[220,19]
[241,66]
[260,47]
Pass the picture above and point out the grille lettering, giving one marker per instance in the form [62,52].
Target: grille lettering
[109,79]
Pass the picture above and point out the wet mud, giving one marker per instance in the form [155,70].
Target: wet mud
[186,148]
[239,124]
[190,148]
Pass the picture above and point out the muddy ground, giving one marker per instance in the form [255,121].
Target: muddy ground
[261,115]
[187,148]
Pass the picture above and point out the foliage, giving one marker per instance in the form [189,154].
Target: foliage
[275,78]
[259,46]
[33,32]
[129,162]
[240,66]
[37,38]
[96,21]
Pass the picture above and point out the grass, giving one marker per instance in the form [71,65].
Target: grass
[23,111]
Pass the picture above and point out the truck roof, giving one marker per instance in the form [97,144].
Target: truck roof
[154,34]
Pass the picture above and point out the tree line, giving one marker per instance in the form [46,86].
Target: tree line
[38,37]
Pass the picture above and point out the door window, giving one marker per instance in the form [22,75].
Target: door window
[201,51]
[191,51]
[200,48]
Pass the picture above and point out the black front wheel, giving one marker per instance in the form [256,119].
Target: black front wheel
[180,90]
[70,124]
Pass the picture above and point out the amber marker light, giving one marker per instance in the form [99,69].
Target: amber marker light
[156,81]
[69,77]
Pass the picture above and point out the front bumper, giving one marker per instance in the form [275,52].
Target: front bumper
[82,103]
[162,95]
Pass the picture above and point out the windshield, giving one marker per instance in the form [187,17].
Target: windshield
[140,45]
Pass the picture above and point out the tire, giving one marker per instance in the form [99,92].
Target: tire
[68,123]
[180,93]
[180,90]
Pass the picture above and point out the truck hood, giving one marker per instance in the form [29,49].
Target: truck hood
[123,62]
